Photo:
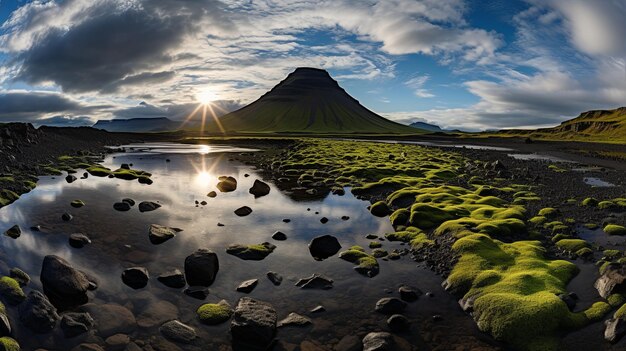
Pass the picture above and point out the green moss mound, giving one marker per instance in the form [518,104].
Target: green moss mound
[11,290]
[9,344]
[614,229]
[366,264]
[214,313]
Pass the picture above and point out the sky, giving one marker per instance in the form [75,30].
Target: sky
[468,64]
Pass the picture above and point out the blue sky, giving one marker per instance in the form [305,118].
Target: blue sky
[467,64]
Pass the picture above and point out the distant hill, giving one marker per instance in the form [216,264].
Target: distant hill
[426,126]
[307,101]
[597,126]
[138,125]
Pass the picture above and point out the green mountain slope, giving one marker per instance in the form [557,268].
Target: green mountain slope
[308,101]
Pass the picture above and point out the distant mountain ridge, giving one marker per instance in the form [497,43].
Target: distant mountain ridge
[426,126]
[138,125]
[595,125]
[307,101]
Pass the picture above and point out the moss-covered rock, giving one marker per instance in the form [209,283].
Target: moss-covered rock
[549,212]
[614,229]
[251,252]
[9,344]
[380,209]
[11,291]
[214,313]
[365,264]
[77,203]
[590,201]
[572,245]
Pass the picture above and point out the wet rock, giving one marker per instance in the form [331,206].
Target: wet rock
[380,209]
[117,342]
[111,319]
[390,305]
[338,191]
[345,218]
[349,343]
[135,277]
[145,180]
[253,325]
[201,267]
[324,220]
[88,347]
[155,313]
[70,178]
[159,234]
[211,194]
[379,341]
[615,329]
[37,313]
[121,206]
[173,279]
[5,324]
[20,276]
[227,184]
[408,293]
[36,228]
[62,282]
[178,332]
[324,246]
[613,280]
[77,203]
[203,203]
[280,236]
[315,281]
[14,232]
[76,323]
[147,206]
[275,278]
[259,189]
[294,320]
[197,292]
[247,286]
[286,220]
[243,211]
[129,201]
[398,323]
[67,217]
[251,252]
[318,309]
[79,240]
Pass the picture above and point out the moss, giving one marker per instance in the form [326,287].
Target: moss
[400,217]
[549,212]
[365,264]
[11,291]
[130,174]
[99,171]
[7,197]
[379,253]
[614,229]
[590,201]
[572,245]
[254,252]
[620,313]
[9,344]
[556,168]
[375,244]
[49,170]
[380,209]
[611,254]
[214,313]
[591,226]
[607,205]
[77,203]
[538,220]
[616,300]
[584,252]
[560,236]
[7,179]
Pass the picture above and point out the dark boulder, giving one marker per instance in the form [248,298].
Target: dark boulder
[79,240]
[67,217]
[70,178]
[227,184]
[37,313]
[62,282]
[275,278]
[135,277]
[259,189]
[76,323]
[379,341]
[159,234]
[280,236]
[247,286]
[201,267]
[315,281]
[251,252]
[121,206]
[147,206]
[324,246]
[243,211]
[178,332]
[253,326]
[390,305]
[14,232]
[173,279]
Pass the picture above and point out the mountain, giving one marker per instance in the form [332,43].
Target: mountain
[426,126]
[138,125]
[597,126]
[307,101]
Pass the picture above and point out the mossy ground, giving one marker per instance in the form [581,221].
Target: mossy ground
[8,344]
[214,313]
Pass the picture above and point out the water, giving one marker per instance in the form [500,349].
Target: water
[597,182]
[538,157]
[183,174]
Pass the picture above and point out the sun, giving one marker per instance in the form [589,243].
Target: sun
[206,96]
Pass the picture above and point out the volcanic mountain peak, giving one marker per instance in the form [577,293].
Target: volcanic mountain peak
[308,100]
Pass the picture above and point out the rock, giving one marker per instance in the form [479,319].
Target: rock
[79,240]
[125,166]
[67,217]
[227,184]
[569,301]
[145,180]
[251,252]
[275,278]
[88,347]
[197,292]
[36,228]
[159,234]
[173,279]
[62,282]
[135,277]
[615,329]
[155,313]
[380,209]
[20,276]
[286,220]
[398,323]
[177,331]
[5,324]
[121,206]
[379,341]
[211,194]
[76,323]
[111,319]
[243,211]
[324,220]
[318,309]
[338,191]
[77,203]
[345,218]
[247,286]
[390,305]
[129,201]
[315,281]
[14,232]
[70,178]
[280,236]
[294,320]
[349,343]
[324,246]
[409,294]
[613,280]
[201,267]
[259,189]
[37,313]
[214,313]
[117,342]
[203,203]
[147,206]
[253,325]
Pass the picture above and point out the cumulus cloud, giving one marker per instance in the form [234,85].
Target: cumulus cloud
[174,111]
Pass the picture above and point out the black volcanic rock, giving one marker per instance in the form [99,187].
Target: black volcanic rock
[160,124]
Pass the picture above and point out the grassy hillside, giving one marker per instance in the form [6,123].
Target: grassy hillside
[308,101]
[606,126]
